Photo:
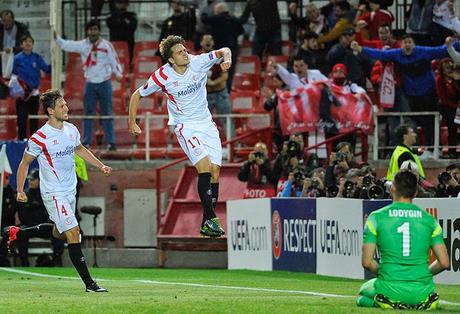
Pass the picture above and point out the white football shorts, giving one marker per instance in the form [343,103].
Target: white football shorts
[199,140]
[61,209]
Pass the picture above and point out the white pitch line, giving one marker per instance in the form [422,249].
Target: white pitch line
[312,293]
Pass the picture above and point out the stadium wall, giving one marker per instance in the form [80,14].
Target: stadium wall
[322,236]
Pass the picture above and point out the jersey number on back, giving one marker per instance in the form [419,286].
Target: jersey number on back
[405,230]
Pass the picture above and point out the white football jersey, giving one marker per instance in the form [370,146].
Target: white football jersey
[186,93]
[54,150]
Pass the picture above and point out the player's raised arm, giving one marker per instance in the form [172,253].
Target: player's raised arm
[225,53]
[87,155]
[134,129]
[21,176]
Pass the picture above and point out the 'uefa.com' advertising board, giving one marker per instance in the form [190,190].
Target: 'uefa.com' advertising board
[322,236]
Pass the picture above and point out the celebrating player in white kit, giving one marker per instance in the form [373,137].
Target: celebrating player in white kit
[183,80]
[54,146]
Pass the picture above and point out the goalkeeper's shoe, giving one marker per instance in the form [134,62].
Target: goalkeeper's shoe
[430,303]
[12,233]
[385,303]
[94,287]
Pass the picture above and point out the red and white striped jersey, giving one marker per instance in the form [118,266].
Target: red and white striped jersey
[186,93]
[54,150]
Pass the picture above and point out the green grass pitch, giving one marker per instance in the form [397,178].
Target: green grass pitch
[185,291]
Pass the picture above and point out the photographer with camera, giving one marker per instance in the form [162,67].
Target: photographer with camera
[449,182]
[257,172]
[339,162]
[313,185]
[292,155]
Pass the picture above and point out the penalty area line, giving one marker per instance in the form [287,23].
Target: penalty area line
[186,284]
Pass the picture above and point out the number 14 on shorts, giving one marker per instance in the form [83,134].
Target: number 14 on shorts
[62,210]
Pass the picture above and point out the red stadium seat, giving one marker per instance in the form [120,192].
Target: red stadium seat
[286,47]
[243,101]
[7,126]
[246,81]
[145,48]
[45,82]
[121,47]
[248,64]
[146,64]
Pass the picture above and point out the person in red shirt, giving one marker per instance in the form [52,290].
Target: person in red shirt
[448,91]
[375,18]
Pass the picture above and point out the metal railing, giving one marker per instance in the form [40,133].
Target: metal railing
[401,116]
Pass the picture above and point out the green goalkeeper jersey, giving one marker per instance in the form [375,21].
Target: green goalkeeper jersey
[403,234]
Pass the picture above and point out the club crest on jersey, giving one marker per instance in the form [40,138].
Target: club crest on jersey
[194,77]
[55,142]
[175,83]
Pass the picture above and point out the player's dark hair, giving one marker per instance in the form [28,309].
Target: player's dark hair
[167,44]
[91,24]
[25,37]
[49,98]
[405,182]
[400,131]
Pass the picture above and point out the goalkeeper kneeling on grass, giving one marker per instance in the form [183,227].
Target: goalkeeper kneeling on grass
[403,234]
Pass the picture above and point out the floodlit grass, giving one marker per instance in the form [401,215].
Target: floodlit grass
[184,291]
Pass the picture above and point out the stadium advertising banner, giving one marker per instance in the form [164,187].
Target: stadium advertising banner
[447,212]
[294,234]
[249,234]
[339,234]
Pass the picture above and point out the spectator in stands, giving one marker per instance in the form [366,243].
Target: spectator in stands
[357,64]
[339,162]
[271,103]
[417,76]
[27,66]
[448,91]
[443,15]
[122,25]
[96,7]
[257,172]
[328,11]
[301,76]
[181,23]
[345,15]
[9,209]
[449,182]
[406,138]
[225,29]
[420,22]
[375,18]
[268,26]
[205,7]
[216,88]
[313,21]
[311,53]
[11,31]
[390,73]
[34,213]
[99,62]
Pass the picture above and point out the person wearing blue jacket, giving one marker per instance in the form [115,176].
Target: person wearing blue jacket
[27,66]
[414,63]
